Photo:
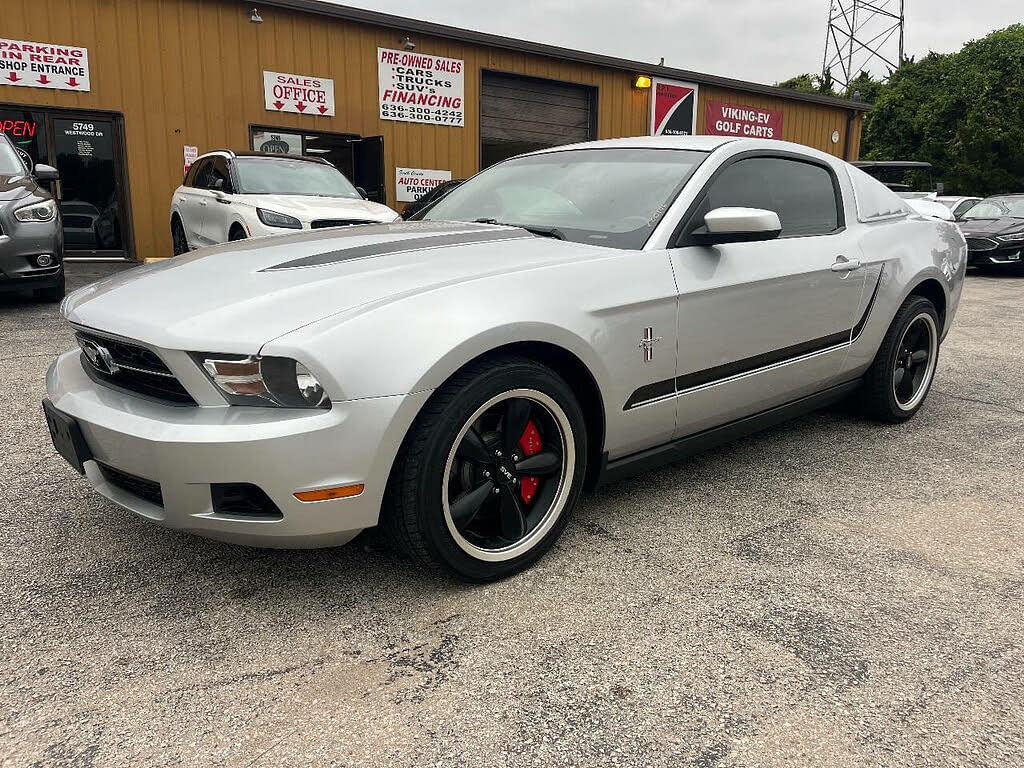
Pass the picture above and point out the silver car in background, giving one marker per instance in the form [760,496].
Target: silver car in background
[561,320]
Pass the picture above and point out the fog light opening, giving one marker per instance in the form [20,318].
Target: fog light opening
[44,260]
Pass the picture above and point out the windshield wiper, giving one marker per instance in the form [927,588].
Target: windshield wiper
[535,229]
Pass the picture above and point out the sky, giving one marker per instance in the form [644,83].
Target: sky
[759,40]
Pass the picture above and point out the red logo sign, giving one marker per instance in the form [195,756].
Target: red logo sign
[674,109]
[740,120]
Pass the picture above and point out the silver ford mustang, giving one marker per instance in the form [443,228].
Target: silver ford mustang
[560,320]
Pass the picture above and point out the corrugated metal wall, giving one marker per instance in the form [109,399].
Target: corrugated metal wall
[190,72]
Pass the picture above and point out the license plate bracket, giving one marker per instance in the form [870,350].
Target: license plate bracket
[67,437]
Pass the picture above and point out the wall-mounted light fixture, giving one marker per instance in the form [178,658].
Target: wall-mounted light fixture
[407,44]
[642,81]
[254,16]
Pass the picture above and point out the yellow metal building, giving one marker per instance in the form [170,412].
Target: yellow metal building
[165,76]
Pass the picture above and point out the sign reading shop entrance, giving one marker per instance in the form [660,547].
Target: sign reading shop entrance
[44,65]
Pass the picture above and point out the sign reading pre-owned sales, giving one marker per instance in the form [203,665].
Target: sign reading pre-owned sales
[413,183]
[304,94]
[44,65]
[420,88]
[738,120]
[673,108]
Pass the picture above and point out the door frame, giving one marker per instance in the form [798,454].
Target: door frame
[121,180]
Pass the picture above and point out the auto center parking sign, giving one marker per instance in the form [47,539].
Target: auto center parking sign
[420,88]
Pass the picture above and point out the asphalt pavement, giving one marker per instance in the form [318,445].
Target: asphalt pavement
[828,593]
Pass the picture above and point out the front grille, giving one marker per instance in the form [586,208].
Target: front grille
[132,367]
[323,223]
[981,244]
[133,484]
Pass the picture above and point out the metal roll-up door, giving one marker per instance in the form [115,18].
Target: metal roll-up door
[523,114]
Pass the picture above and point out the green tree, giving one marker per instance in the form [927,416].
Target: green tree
[962,112]
[808,83]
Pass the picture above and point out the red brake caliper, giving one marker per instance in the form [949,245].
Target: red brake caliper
[530,444]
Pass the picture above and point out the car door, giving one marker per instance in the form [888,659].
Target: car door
[192,201]
[764,323]
[217,213]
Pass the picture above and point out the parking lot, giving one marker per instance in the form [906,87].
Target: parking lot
[827,593]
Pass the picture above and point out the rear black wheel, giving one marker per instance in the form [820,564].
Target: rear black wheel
[901,375]
[178,239]
[237,233]
[490,471]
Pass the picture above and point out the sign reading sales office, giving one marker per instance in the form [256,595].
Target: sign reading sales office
[739,120]
[304,94]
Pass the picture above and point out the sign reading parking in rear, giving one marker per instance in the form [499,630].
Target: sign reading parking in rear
[303,94]
[44,65]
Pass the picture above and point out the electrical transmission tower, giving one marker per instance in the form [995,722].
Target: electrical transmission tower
[862,33]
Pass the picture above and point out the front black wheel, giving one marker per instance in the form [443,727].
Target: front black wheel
[489,473]
[178,239]
[901,375]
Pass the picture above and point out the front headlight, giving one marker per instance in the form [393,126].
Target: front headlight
[1016,237]
[263,381]
[43,211]
[275,219]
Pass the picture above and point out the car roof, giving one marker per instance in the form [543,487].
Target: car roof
[891,164]
[230,153]
[700,143]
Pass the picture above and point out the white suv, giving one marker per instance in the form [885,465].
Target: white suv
[235,195]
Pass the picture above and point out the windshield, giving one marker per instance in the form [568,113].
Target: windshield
[281,176]
[611,197]
[10,163]
[997,208]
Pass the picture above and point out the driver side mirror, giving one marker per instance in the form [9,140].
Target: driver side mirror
[362,193]
[45,172]
[738,225]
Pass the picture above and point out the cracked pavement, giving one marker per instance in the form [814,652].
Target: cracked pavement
[827,593]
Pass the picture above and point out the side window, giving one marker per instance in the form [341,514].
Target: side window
[197,174]
[803,194]
[219,173]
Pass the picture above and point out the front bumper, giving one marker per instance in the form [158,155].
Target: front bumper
[20,244]
[187,450]
[994,253]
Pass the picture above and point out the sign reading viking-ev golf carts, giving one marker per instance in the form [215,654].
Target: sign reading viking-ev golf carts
[420,88]
[303,94]
[44,65]
[740,120]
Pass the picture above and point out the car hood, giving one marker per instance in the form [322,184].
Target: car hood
[309,207]
[238,296]
[1001,226]
[16,187]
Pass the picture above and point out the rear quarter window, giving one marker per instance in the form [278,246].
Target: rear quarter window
[874,200]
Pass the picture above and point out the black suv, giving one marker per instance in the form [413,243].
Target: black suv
[31,236]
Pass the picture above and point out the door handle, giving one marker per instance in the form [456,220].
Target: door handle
[843,264]
[223,201]
[203,202]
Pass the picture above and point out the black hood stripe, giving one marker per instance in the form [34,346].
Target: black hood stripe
[401,246]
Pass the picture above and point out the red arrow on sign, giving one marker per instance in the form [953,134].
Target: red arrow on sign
[300,106]
[44,79]
[322,109]
[73,83]
[278,104]
[13,77]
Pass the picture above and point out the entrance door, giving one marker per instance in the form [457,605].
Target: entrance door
[360,159]
[87,150]
[85,157]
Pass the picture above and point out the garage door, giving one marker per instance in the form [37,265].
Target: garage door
[520,114]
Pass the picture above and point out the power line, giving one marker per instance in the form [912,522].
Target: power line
[862,34]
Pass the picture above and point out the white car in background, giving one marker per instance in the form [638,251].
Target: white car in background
[958,205]
[237,195]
